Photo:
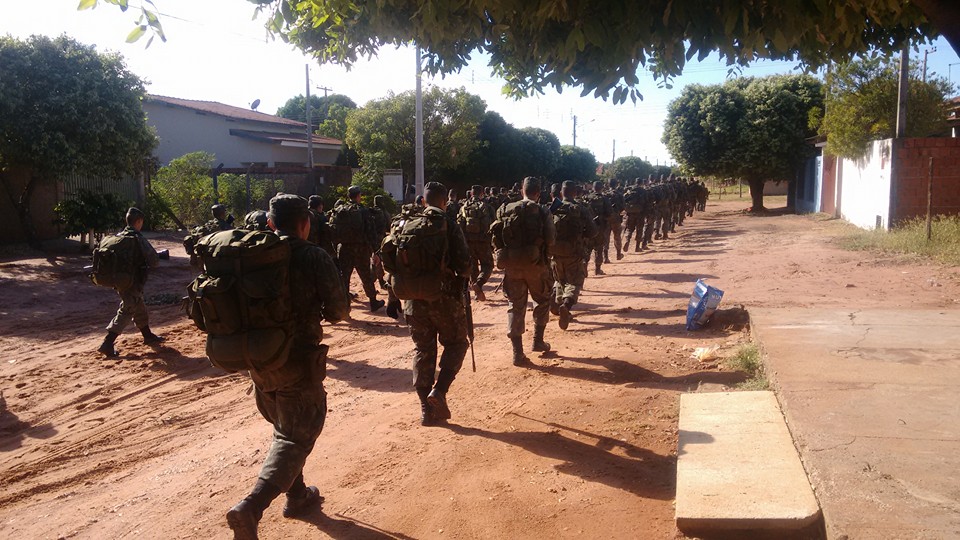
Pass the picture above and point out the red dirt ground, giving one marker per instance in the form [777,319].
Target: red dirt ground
[158,444]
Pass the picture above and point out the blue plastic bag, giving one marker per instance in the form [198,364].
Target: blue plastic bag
[703,302]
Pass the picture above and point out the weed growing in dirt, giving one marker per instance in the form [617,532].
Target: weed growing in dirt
[911,237]
[748,361]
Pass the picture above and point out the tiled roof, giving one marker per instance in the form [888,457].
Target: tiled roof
[266,136]
[227,111]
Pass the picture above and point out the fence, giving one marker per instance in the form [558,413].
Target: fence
[128,189]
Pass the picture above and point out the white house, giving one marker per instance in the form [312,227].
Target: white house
[238,137]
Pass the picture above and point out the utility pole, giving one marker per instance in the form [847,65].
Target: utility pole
[902,90]
[574,131]
[419,128]
[309,124]
[325,90]
[614,158]
[925,53]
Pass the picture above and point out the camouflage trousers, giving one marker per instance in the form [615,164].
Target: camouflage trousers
[615,229]
[569,275]
[356,257]
[520,285]
[443,320]
[132,307]
[297,414]
[481,261]
[598,247]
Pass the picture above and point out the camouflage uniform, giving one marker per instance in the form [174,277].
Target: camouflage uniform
[615,229]
[443,320]
[602,212]
[355,250]
[132,306]
[320,233]
[569,272]
[481,251]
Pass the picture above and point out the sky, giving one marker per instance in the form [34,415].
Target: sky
[216,51]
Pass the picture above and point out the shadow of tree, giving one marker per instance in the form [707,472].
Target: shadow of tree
[13,430]
[620,372]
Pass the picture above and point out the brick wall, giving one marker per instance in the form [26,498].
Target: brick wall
[911,172]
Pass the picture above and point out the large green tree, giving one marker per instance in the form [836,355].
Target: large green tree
[67,109]
[861,105]
[752,129]
[295,108]
[382,132]
[577,164]
[630,167]
[600,45]
[539,151]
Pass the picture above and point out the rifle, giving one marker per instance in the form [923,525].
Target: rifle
[469,310]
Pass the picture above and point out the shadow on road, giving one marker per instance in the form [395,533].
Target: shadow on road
[349,528]
[13,430]
[369,377]
[621,372]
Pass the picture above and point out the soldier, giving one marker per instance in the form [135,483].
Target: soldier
[355,232]
[602,212]
[220,222]
[453,206]
[574,229]
[636,201]
[443,319]
[224,221]
[132,306]
[381,224]
[523,235]
[475,219]
[256,220]
[615,197]
[292,397]
[320,232]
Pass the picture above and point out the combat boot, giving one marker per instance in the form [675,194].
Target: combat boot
[438,403]
[519,359]
[376,305]
[478,291]
[299,505]
[106,348]
[393,309]
[427,417]
[564,315]
[242,520]
[539,345]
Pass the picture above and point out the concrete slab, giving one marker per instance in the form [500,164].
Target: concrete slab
[737,468]
[871,401]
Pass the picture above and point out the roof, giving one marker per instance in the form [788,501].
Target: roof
[226,111]
[284,139]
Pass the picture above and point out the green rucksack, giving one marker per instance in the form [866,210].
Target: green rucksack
[415,254]
[116,261]
[242,299]
[518,235]
[346,220]
[475,218]
[568,221]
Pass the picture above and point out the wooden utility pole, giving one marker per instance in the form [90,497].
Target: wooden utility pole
[930,201]
[309,124]
[903,90]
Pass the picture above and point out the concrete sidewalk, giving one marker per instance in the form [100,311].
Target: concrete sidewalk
[871,399]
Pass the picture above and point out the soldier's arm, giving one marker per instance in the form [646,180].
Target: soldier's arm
[459,252]
[549,230]
[150,256]
[590,229]
[336,305]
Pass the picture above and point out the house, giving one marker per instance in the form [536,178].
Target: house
[238,137]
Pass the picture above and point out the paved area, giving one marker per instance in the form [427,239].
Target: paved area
[871,401]
[737,468]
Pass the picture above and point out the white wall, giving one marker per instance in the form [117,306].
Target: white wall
[865,186]
[182,131]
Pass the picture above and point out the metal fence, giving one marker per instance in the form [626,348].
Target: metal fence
[127,189]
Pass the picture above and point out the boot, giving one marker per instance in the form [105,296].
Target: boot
[478,291]
[519,359]
[438,402]
[564,315]
[427,417]
[302,504]
[376,305]
[619,255]
[539,345]
[242,520]
[393,309]
[106,348]
[149,338]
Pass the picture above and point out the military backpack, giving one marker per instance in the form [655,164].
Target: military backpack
[568,220]
[116,261]
[242,299]
[347,222]
[415,253]
[518,235]
[475,218]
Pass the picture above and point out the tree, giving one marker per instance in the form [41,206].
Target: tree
[385,128]
[295,108]
[861,105]
[576,163]
[540,151]
[67,109]
[600,46]
[752,129]
[629,168]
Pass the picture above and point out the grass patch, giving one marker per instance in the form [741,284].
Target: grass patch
[748,360]
[911,238]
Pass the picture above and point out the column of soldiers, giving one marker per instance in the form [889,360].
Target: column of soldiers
[543,241]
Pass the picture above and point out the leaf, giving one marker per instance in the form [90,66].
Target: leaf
[86,4]
[136,33]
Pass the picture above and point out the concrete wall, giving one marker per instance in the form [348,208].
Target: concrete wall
[865,187]
[912,171]
[829,198]
[182,131]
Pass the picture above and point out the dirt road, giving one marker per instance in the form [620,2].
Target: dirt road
[160,445]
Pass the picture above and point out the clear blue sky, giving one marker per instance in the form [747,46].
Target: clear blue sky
[216,52]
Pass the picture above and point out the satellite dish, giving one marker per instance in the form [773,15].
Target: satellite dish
[255,104]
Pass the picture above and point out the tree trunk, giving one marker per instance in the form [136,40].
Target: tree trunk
[756,194]
[22,205]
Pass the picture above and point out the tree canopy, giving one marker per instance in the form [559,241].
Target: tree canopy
[67,109]
[629,168]
[753,129]
[861,105]
[295,108]
[577,164]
